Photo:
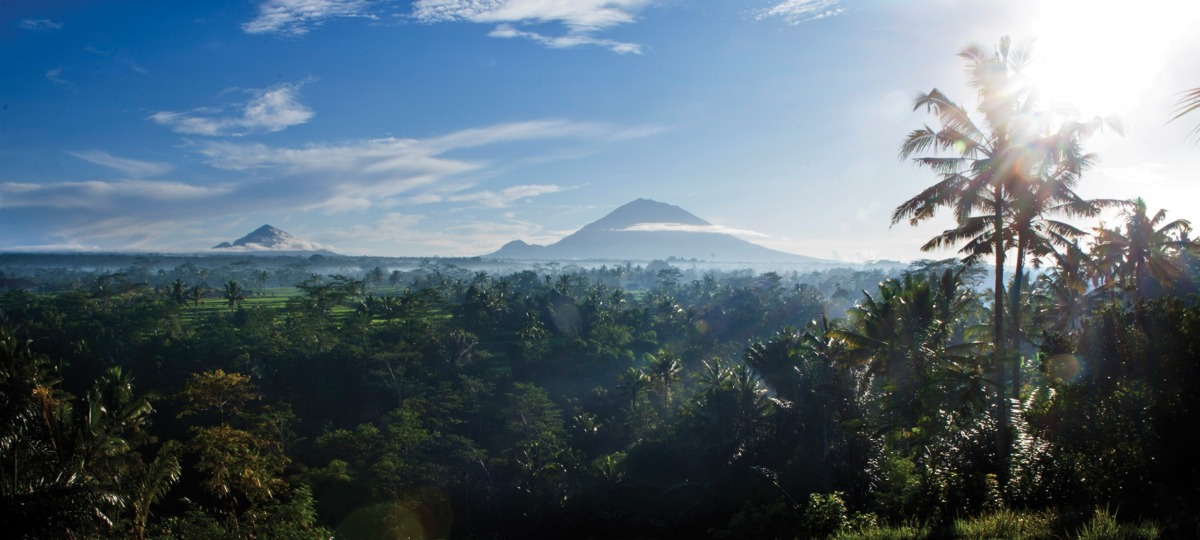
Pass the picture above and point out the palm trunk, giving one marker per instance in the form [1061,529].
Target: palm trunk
[998,336]
[1014,305]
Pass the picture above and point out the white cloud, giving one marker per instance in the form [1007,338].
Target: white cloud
[491,199]
[373,158]
[519,131]
[680,227]
[389,156]
[131,167]
[582,18]
[269,110]
[39,25]
[295,18]
[50,248]
[292,244]
[55,76]
[373,171]
[96,194]
[133,233]
[565,42]
[799,11]
[403,233]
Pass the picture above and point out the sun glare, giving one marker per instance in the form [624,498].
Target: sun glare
[1103,56]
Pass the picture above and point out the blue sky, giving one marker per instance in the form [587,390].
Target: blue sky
[449,127]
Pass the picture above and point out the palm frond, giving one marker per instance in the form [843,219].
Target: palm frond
[1189,101]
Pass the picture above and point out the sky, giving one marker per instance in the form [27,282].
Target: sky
[451,127]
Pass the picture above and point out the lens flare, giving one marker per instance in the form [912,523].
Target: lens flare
[424,518]
[1064,367]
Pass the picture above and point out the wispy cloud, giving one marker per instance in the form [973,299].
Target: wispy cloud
[565,42]
[389,156]
[268,110]
[373,171]
[39,25]
[97,194]
[582,19]
[131,167]
[118,56]
[135,67]
[680,227]
[502,198]
[294,18]
[131,232]
[471,237]
[55,76]
[799,11]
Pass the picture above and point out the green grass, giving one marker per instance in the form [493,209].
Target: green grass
[274,298]
[889,532]
[1015,525]
[1007,524]
[1104,526]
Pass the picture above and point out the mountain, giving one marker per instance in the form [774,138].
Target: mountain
[645,230]
[268,238]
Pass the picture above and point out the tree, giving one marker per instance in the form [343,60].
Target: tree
[909,340]
[233,294]
[72,468]
[376,276]
[662,372]
[179,292]
[979,174]
[1000,178]
[1048,189]
[1146,248]
[217,392]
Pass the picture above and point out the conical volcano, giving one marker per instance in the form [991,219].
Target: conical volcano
[646,230]
[268,238]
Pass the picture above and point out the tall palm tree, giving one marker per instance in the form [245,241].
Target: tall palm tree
[983,164]
[1145,248]
[1048,189]
[1060,295]
[662,372]
[179,292]
[1002,179]
[982,168]
[234,294]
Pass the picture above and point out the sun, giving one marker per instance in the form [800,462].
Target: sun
[1103,56]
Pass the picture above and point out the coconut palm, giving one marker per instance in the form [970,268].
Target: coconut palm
[234,294]
[909,331]
[1060,296]
[1047,190]
[179,292]
[979,167]
[1145,249]
[1001,177]
[662,372]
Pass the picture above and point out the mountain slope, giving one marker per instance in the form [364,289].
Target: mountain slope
[648,230]
[268,238]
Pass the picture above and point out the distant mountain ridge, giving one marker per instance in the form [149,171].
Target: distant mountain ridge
[647,230]
[268,238]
